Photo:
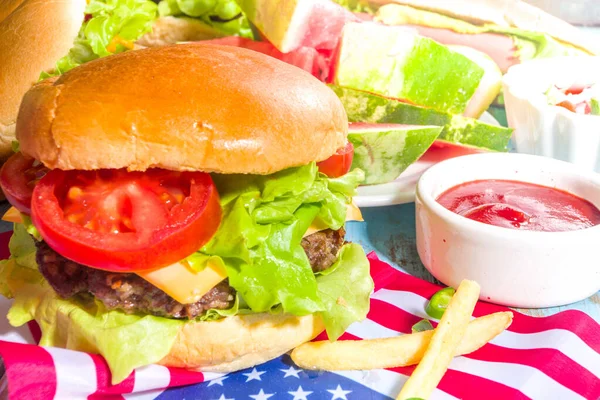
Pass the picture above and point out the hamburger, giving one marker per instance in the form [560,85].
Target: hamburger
[508,31]
[183,205]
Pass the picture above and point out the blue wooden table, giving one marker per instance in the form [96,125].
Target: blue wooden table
[390,231]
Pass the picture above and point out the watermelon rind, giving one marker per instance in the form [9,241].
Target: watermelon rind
[396,62]
[368,107]
[383,152]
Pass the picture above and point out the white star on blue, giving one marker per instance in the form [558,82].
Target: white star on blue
[300,394]
[261,395]
[254,375]
[291,371]
[217,381]
[224,398]
[339,393]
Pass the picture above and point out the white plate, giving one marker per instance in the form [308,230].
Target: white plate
[402,190]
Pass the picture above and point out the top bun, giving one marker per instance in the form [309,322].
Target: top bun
[183,107]
[34,34]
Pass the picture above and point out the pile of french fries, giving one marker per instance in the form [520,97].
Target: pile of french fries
[432,350]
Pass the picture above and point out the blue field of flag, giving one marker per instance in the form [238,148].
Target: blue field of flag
[277,379]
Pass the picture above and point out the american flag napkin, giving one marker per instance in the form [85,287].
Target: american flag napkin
[556,357]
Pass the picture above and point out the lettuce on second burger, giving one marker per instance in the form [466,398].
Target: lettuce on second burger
[193,220]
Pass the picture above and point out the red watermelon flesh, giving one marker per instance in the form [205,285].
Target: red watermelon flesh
[292,24]
[309,59]
[322,27]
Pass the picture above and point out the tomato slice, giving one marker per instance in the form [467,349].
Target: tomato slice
[126,221]
[338,164]
[18,176]
[567,104]
[575,89]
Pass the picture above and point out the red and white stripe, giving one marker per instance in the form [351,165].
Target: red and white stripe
[555,357]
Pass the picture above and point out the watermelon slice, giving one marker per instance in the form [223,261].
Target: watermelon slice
[384,151]
[291,24]
[489,86]
[305,58]
[367,107]
[396,62]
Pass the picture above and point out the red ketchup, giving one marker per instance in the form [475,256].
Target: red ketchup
[520,205]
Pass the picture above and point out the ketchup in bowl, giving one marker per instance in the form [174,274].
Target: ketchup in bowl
[520,205]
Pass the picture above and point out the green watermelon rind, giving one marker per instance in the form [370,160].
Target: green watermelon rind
[383,154]
[399,64]
[368,107]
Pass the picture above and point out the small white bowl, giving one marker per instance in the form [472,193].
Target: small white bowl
[548,130]
[514,268]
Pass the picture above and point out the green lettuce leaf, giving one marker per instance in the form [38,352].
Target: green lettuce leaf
[533,45]
[80,325]
[595,106]
[29,227]
[259,240]
[126,341]
[225,16]
[22,247]
[344,289]
[111,27]
[357,6]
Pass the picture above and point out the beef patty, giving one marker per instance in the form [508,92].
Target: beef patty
[132,294]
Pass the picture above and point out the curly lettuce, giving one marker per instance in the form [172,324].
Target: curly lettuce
[259,240]
[110,26]
[225,16]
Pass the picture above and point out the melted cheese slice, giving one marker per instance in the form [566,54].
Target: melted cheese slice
[352,214]
[12,215]
[183,283]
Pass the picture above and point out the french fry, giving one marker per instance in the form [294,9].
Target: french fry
[444,343]
[392,352]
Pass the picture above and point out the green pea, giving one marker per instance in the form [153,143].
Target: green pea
[227,10]
[439,302]
[422,326]
[168,7]
[196,8]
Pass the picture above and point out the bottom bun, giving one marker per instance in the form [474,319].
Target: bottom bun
[239,342]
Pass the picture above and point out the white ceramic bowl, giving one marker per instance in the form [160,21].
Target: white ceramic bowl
[514,268]
[549,130]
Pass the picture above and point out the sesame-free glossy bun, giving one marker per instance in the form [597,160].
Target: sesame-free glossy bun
[183,107]
[239,342]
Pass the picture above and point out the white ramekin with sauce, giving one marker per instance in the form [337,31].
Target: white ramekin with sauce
[515,267]
[532,91]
